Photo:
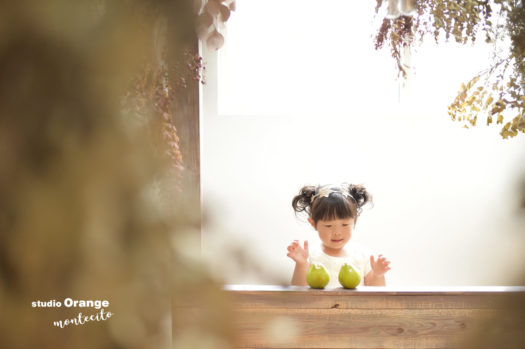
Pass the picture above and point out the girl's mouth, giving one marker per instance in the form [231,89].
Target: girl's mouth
[338,240]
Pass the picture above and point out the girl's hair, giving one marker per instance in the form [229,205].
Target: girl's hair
[346,201]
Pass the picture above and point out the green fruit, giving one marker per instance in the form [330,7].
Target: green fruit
[348,276]
[317,276]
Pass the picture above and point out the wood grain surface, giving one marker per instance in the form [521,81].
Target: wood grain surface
[284,317]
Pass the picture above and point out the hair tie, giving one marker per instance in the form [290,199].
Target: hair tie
[327,190]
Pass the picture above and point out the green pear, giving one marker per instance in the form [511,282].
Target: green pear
[348,276]
[317,276]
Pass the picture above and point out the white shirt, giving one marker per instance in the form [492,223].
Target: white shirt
[357,255]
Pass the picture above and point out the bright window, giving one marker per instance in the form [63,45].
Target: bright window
[310,57]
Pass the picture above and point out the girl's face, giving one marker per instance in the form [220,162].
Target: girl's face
[334,234]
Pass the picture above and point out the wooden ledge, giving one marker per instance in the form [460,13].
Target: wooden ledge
[371,317]
[380,291]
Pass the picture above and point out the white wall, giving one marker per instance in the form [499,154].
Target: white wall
[446,198]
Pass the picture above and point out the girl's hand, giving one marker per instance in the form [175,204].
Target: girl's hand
[379,266]
[297,253]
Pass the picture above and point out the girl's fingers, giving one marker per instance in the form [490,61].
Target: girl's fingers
[382,259]
[306,245]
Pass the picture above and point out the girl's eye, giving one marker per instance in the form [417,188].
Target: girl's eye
[328,226]
[346,225]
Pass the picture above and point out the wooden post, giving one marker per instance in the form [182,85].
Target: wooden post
[186,114]
[182,43]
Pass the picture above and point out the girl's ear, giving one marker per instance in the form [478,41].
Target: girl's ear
[311,221]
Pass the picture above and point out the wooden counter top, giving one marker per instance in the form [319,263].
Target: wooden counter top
[393,290]
[269,316]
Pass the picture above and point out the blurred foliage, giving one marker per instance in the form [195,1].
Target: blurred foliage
[151,95]
[497,93]
[80,208]
[164,73]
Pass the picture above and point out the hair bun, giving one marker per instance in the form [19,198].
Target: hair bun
[302,201]
[359,193]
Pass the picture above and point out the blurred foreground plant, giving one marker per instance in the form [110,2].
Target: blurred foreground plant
[80,214]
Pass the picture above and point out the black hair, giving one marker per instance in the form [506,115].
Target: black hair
[346,202]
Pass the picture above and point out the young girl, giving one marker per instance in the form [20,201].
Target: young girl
[333,212]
